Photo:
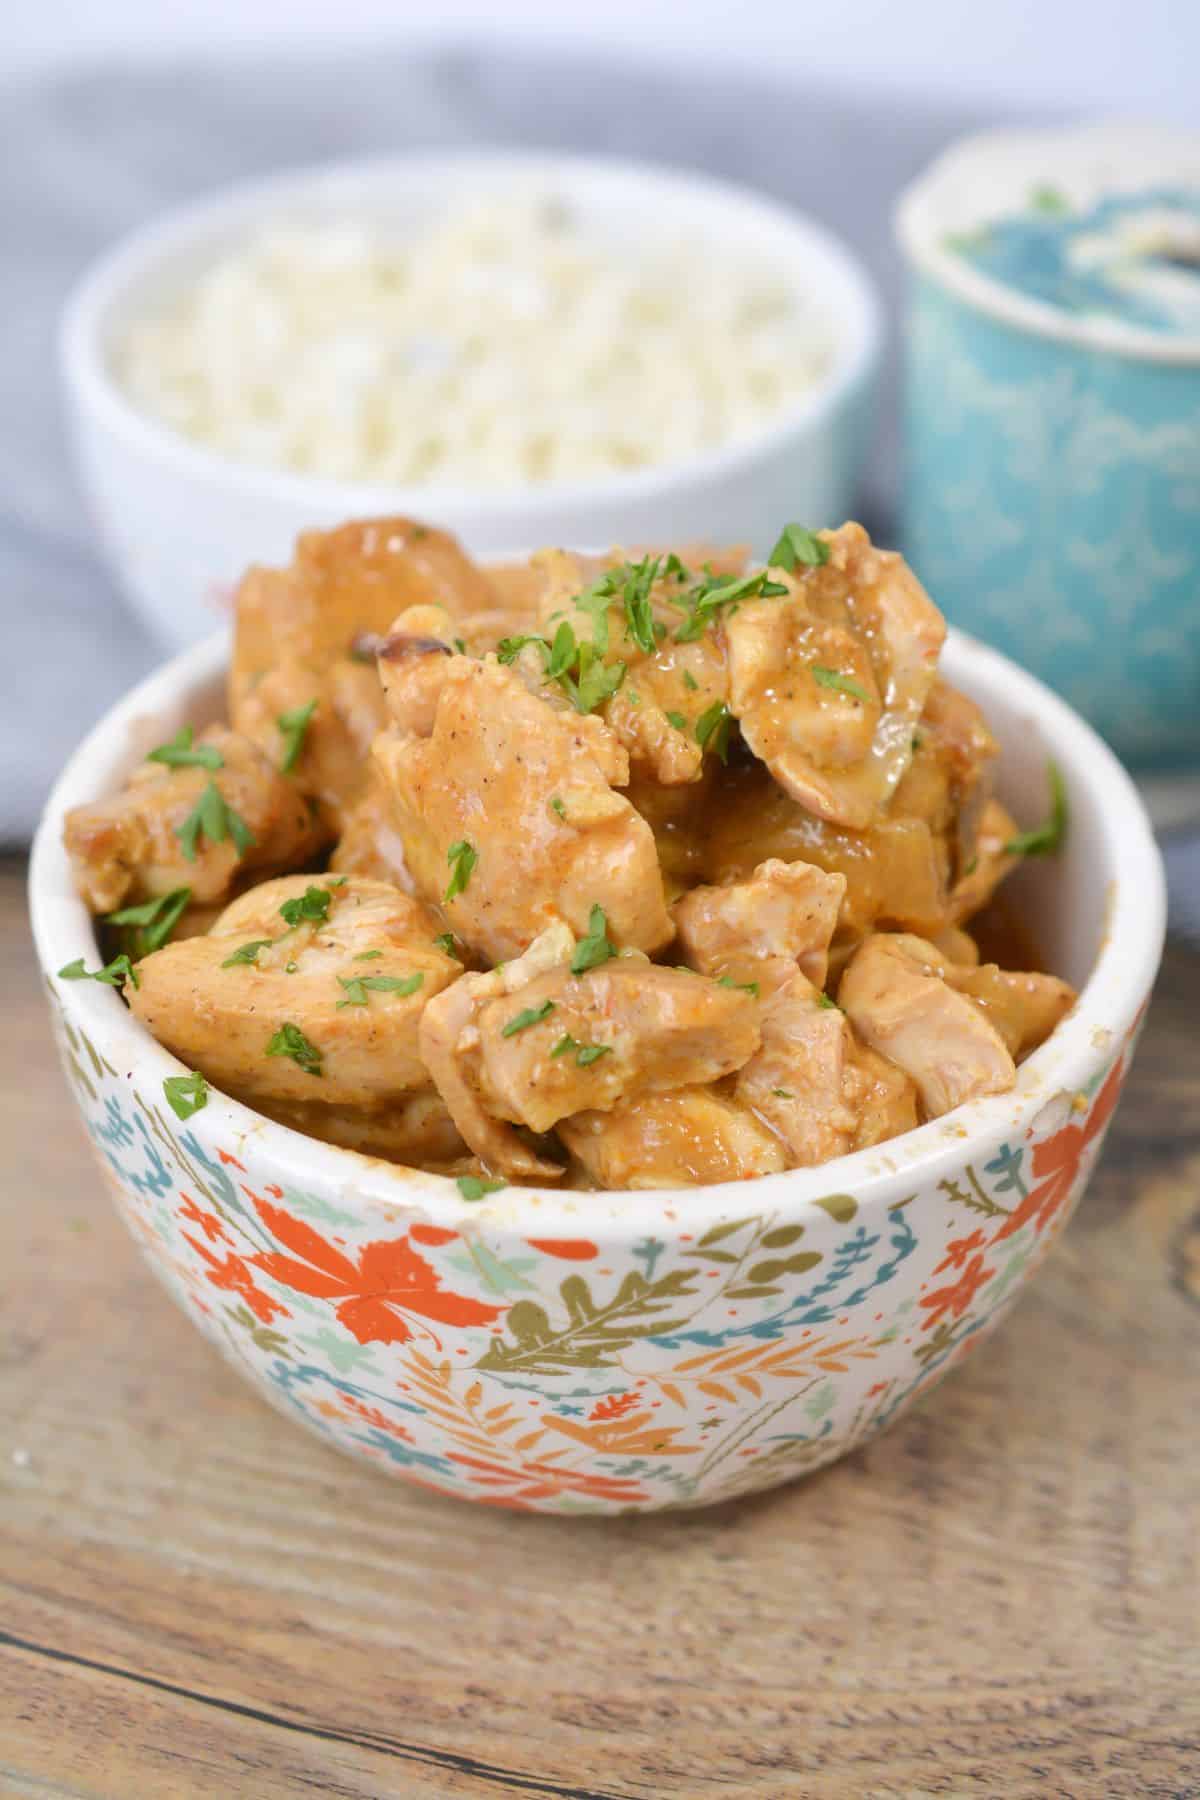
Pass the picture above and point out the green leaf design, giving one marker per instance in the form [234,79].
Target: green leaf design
[780,1238]
[593,1333]
[841,1207]
[717,1232]
[775,1266]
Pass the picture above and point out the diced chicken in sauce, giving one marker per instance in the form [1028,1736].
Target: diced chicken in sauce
[651,869]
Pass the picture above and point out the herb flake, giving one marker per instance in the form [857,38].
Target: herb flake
[247,953]
[293,727]
[214,819]
[185,1094]
[309,908]
[290,1041]
[477,1187]
[595,948]
[182,753]
[462,858]
[154,920]
[113,974]
[839,683]
[532,1015]
[797,544]
[1047,839]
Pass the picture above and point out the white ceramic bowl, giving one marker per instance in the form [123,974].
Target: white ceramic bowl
[600,1352]
[180,522]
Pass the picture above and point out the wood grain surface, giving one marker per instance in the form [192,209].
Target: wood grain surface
[1000,1597]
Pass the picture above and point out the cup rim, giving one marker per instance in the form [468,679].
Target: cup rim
[119,271]
[1107,1009]
[947,190]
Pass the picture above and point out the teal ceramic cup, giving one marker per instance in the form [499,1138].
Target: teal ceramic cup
[1052,457]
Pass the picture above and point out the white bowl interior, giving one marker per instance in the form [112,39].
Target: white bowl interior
[1097,911]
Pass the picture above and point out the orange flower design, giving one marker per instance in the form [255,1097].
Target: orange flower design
[543,1481]
[956,1297]
[613,1405]
[374,1295]
[1058,1159]
[209,1223]
[233,1277]
[958,1250]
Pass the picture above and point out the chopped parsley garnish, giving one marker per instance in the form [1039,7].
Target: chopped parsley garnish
[153,921]
[532,1015]
[712,729]
[294,725]
[1047,839]
[595,602]
[310,907]
[841,684]
[557,806]
[689,681]
[113,974]
[578,668]
[180,754]
[677,720]
[827,1004]
[595,948]
[462,858]
[185,1094]
[358,986]
[743,987]
[447,943]
[247,953]
[290,968]
[917,740]
[475,1187]
[971,867]
[639,614]
[460,646]
[216,820]
[704,602]
[783,1093]
[585,1054]
[797,544]
[370,955]
[289,1040]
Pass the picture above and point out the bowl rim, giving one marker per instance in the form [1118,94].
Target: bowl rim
[128,262]
[1108,1006]
[1063,152]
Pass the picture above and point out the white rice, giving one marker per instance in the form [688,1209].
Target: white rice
[499,348]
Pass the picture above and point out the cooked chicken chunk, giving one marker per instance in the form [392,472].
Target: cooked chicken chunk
[764,929]
[370,844]
[1024,1008]
[317,728]
[895,995]
[507,819]
[896,872]
[689,1137]
[414,1129]
[450,1049]
[828,684]
[305,991]
[983,874]
[580,1042]
[341,585]
[165,829]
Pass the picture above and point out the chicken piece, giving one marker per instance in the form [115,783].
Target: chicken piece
[508,821]
[312,1015]
[957,946]
[948,783]
[135,846]
[341,585]
[1024,1008]
[412,666]
[816,1086]
[450,1050]
[896,872]
[584,1042]
[415,1129]
[796,1083]
[896,997]
[829,684]
[348,710]
[764,929]
[370,844]
[687,1138]
[982,876]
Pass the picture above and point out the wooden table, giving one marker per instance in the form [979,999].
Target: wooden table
[998,1598]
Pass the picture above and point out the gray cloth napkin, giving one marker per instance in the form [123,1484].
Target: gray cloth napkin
[86,155]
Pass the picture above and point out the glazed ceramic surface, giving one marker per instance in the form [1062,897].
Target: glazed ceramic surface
[1052,484]
[180,523]
[606,1352]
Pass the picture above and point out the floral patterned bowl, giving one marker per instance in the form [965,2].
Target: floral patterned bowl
[619,1351]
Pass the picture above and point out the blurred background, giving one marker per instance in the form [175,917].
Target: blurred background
[112,114]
